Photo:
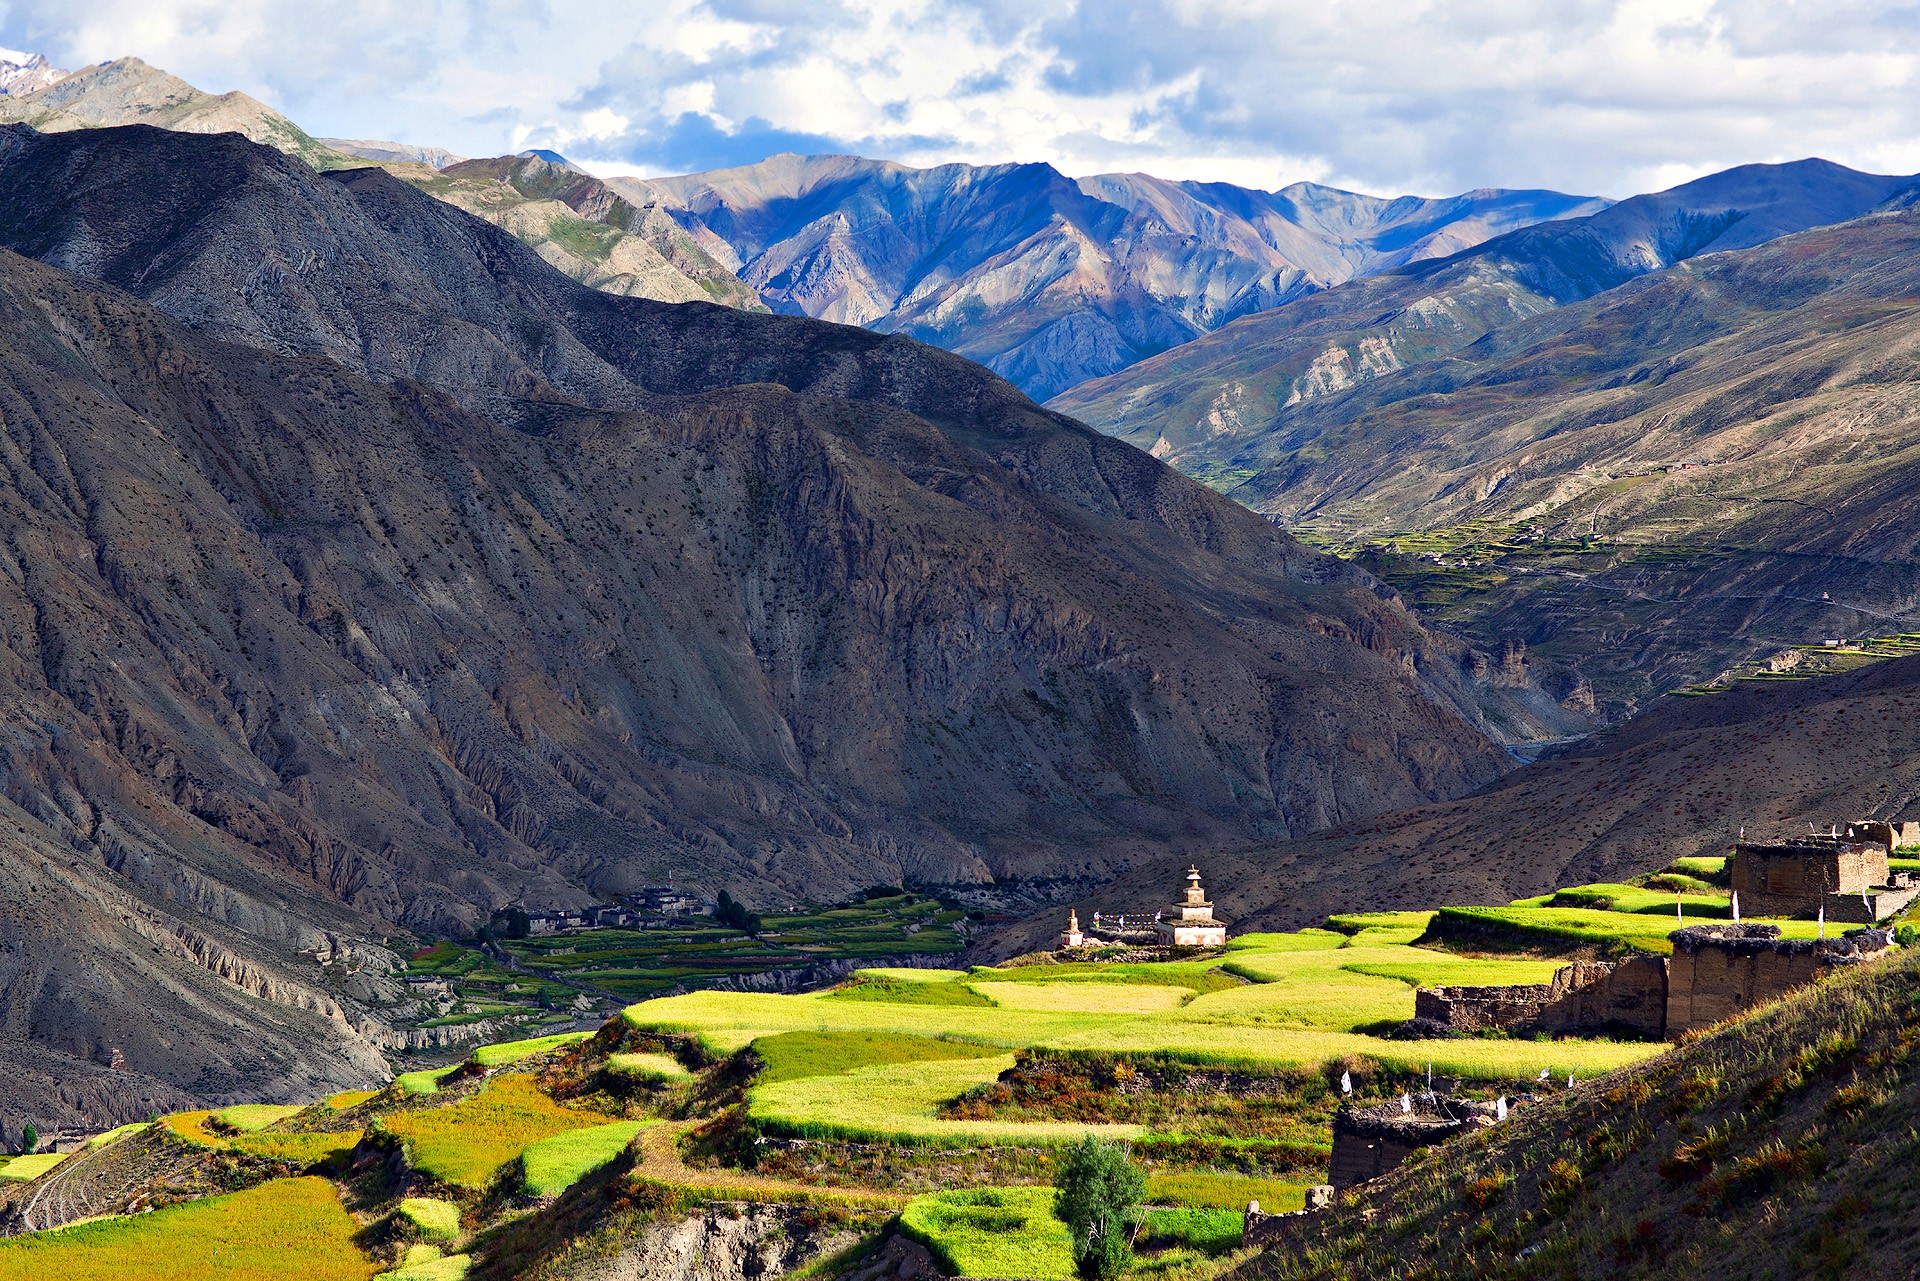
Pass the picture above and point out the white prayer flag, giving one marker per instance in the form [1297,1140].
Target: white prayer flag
[1679,914]
[1500,1109]
[1543,1074]
[1736,907]
[1406,1103]
[1569,1080]
[1346,1083]
[1823,920]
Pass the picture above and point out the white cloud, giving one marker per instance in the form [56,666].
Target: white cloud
[1609,96]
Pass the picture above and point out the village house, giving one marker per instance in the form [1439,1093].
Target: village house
[1848,880]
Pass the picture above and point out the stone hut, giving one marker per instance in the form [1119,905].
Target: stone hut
[1849,879]
[1879,831]
[1192,922]
[1368,1142]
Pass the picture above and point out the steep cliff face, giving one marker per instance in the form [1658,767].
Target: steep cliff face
[391,577]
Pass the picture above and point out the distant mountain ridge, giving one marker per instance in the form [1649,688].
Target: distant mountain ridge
[1046,279]
[1236,406]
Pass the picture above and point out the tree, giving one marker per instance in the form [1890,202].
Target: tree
[30,1139]
[733,914]
[1095,1191]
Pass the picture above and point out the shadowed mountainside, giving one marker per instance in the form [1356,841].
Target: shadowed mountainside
[392,577]
[568,217]
[1680,779]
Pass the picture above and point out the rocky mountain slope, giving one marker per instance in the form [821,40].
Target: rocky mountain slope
[1681,779]
[567,216]
[1736,431]
[1045,279]
[364,570]
[1779,1147]
[1250,407]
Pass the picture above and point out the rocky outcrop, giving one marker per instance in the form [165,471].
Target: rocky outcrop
[732,1242]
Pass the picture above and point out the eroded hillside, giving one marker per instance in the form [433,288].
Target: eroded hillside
[390,577]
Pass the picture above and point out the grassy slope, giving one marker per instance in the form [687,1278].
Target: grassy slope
[291,1227]
[466,1142]
[1781,1146]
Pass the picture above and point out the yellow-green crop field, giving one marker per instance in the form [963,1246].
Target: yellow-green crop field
[466,1143]
[555,1164]
[31,1166]
[992,1232]
[1272,1001]
[290,1227]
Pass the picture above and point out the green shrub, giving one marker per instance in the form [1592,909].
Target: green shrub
[1097,1187]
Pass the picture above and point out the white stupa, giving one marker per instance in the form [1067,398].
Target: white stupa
[1192,923]
[1071,936]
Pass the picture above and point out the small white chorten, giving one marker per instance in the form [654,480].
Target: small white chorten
[1071,936]
[1192,923]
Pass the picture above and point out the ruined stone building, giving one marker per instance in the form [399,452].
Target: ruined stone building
[1368,1142]
[1715,971]
[1848,879]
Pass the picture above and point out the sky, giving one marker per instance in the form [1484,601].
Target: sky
[1604,97]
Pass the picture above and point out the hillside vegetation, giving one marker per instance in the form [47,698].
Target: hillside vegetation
[1780,1146]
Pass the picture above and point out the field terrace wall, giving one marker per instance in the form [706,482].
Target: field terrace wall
[1719,970]
[1369,1142]
[1587,997]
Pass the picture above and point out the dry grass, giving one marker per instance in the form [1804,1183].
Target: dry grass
[287,1228]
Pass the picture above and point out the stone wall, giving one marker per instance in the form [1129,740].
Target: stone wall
[1719,970]
[1629,998]
[1478,1009]
[1585,997]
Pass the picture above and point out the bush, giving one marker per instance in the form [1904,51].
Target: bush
[1487,1189]
[1096,1189]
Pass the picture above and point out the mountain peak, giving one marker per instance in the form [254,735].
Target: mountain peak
[22,73]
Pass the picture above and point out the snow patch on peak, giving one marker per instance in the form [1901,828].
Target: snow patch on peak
[17,58]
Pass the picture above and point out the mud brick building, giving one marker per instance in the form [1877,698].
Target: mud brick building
[1849,879]
[1719,970]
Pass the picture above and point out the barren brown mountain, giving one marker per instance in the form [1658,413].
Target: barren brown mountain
[383,576]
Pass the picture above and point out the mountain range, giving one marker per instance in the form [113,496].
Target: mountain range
[1046,279]
[365,572]
[1717,393]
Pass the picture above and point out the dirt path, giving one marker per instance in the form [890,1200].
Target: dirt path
[657,1156]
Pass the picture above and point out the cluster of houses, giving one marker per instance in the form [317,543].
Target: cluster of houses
[652,905]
